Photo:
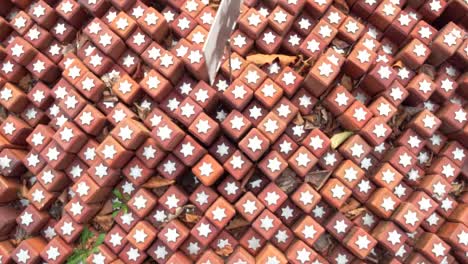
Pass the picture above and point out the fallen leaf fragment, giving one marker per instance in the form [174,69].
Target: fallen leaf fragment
[157,182]
[261,59]
[298,120]
[287,181]
[310,118]
[341,44]
[104,221]
[428,70]
[352,214]
[339,138]
[342,5]
[317,178]
[191,218]
[247,178]
[399,64]
[458,188]
[347,82]
[225,251]
[352,208]
[237,223]
[106,208]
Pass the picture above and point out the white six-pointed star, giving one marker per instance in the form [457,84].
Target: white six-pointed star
[309,231]
[429,121]
[204,230]
[460,116]
[325,69]
[340,226]
[271,126]
[266,223]
[274,164]
[438,249]
[171,235]
[411,218]
[269,37]
[357,150]
[255,143]
[352,27]
[302,159]
[363,242]
[388,204]
[420,50]
[360,114]
[206,169]
[236,162]
[306,197]
[379,130]
[325,31]
[254,20]
[249,206]
[338,191]
[219,213]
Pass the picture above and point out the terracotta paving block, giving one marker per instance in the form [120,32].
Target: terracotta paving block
[333,132]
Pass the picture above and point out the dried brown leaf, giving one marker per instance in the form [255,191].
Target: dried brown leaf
[110,98]
[352,214]
[342,5]
[237,223]
[261,59]
[80,40]
[24,189]
[298,120]
[104,221]
[191,218]
[179,211]
[142,112]
[247,178]
[68,48]
[317,178]
[106,208]
[398,119]
[225,251]
[347,82]
[302,66]
[324,114]
[429,70]
[287,181]
[337,139]
[458,188]
[19,235]
[157,182]
[63,197]
[323,243]
[411,111]
[331,126]
[350,205]
[310,118]
[25,82]
[310,125]
[168,41]
[340,43]
[109,80]
[138,74]
[300,61]
[398,64]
